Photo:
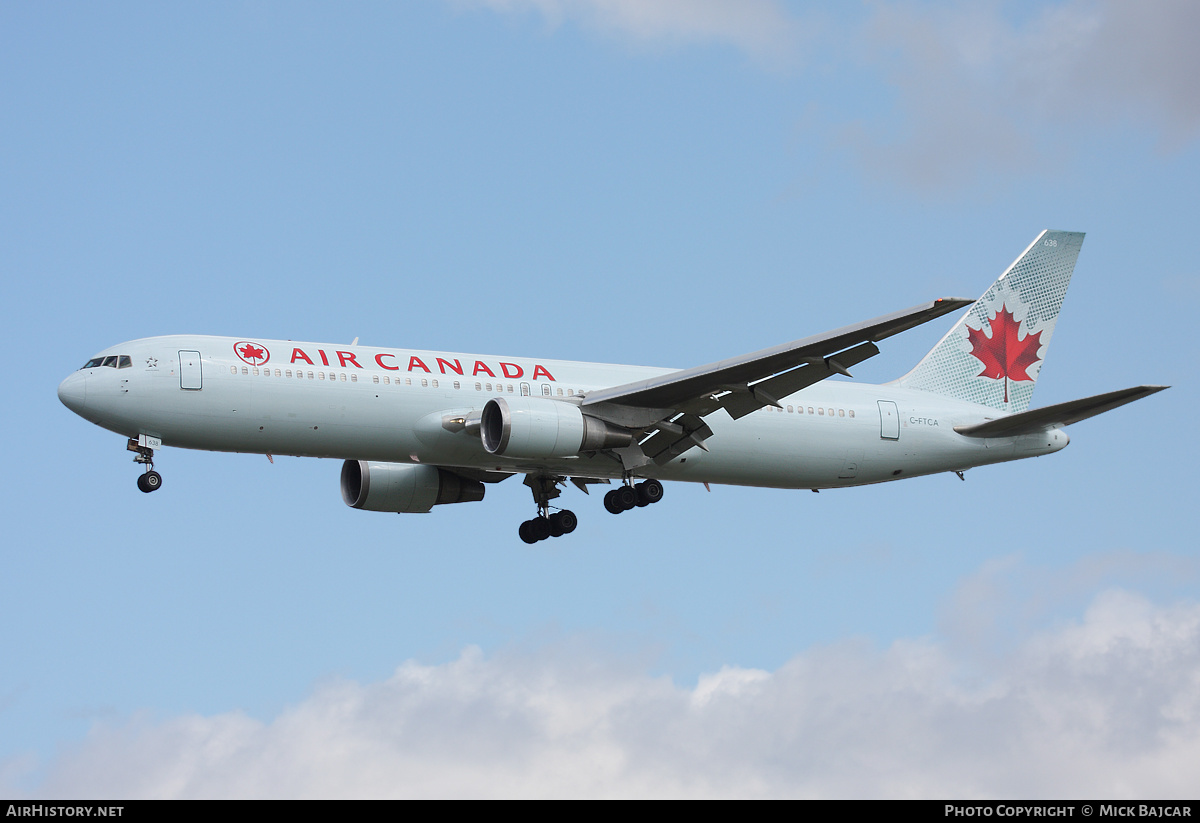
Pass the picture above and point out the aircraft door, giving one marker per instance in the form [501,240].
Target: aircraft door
[889,420]
[190,376]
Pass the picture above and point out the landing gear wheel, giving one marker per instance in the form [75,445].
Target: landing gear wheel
[539,527]
[526,532]
[555,525]
[150,481]
[610,503]
[649,491]
[625,497]
[567,521]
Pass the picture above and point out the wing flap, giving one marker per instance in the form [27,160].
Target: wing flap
[742,402]
[675,437]
[1060,414]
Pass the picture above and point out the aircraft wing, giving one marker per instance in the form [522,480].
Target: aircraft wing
[1060,414]
[745,384]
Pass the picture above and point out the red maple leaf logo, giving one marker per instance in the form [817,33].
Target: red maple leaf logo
[1003,355]
[252,354]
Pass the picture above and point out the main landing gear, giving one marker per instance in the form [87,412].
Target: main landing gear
[546,524]
[627,497]
[150,480]
[623,498]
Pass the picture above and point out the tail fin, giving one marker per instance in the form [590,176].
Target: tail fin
[994,354]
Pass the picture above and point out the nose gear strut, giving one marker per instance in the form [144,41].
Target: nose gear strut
[150,480]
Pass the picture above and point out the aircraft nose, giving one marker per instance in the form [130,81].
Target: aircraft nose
[73,392]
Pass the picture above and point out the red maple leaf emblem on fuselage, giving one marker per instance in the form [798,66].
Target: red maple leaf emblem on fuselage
[252,354]
[1003,355]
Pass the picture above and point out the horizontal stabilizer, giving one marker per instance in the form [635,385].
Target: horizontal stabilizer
[1060,414]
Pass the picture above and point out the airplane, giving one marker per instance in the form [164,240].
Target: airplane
[417,429]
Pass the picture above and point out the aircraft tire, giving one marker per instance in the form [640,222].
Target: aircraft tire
[556,529]
[649,491]
[526,532]
[150,481]
[625,497]
[567,521]
[610,502]
[539,527]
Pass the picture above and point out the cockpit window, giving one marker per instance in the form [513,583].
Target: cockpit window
[113,361]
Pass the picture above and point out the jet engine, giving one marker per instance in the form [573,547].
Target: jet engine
[400,487]
[537,427]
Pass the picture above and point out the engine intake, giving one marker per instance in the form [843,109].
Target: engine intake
[536,427]
[400,487]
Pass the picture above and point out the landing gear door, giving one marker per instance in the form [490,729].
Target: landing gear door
[190,370]
[889,420]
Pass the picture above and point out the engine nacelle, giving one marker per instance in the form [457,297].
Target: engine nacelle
[537,427]
[400,487]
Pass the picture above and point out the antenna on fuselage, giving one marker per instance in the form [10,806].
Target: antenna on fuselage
[354,342]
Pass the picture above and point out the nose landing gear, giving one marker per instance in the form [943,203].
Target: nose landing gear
[150,480]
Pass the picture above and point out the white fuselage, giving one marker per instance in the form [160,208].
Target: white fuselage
[390,405]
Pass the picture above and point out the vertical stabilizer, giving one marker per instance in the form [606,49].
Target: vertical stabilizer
[994,354]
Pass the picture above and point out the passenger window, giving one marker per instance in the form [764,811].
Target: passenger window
[375,378]
[841,412]
[233,369]
[343,377]
[546,391]
[310,377]
[457,385]
[821,412]
[435,384]
[353,378]
[478,387]
[560,393]
[424,383]
[256,371]
[852,412]
[245,370]
[320,375]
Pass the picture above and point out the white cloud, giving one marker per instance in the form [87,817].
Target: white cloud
[983,92]
[760,28]
[1105,706]
[979,93]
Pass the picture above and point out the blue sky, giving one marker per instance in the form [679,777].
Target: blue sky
[663,183]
